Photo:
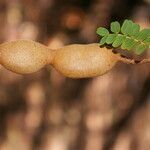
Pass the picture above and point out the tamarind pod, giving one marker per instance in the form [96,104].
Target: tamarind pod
[75,61]
[82,61]
[23,56]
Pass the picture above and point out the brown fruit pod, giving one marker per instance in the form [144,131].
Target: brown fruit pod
[74,61]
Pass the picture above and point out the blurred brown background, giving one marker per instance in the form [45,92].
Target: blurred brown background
[45,110]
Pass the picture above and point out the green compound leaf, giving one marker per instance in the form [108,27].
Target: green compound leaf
[102,31]
[128,36]
[103,40]
[140,49]
[110,38]
[118,40]
[115,27]
[126,27]
[143,34]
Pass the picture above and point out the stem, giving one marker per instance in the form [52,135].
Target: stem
[145,61]
[132,61]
